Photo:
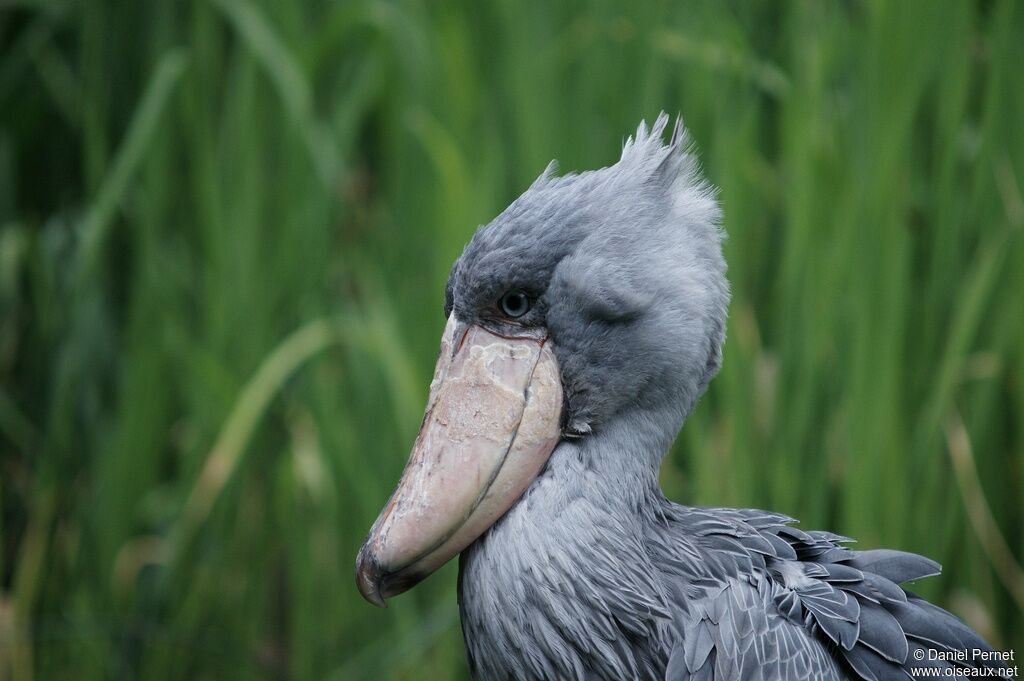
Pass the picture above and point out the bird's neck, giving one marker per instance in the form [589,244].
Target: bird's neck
[618,463]
[573,545]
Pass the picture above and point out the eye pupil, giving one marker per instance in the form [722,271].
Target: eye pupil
[515,304]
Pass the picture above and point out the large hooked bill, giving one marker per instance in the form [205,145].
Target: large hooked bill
[491,423]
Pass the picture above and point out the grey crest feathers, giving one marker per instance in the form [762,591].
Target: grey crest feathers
[625,264]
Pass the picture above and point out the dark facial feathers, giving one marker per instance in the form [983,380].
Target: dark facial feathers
[625,266]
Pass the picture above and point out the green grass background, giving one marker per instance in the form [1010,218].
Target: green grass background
[225,227]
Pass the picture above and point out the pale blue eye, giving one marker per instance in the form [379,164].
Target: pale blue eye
[515,304]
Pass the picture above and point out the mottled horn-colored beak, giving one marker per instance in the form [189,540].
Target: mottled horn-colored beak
[492,421]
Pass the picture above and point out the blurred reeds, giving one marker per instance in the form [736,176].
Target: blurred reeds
[225,228]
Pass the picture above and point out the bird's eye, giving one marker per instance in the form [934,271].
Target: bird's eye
[514,304]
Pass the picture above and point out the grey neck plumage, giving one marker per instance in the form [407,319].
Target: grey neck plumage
[563,581]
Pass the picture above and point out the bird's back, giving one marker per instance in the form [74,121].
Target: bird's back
[756,598]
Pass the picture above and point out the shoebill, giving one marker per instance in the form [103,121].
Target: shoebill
[583,324]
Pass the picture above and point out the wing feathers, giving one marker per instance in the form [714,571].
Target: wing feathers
[801,605]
